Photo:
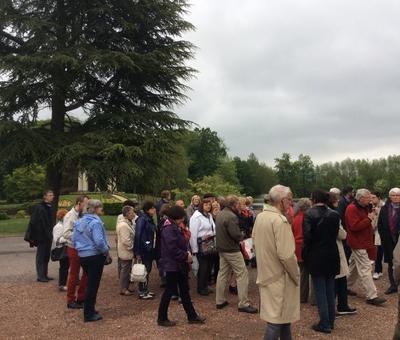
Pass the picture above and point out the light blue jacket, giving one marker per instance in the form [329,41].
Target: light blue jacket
[89,237]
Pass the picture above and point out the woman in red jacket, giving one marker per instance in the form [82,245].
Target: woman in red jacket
[302,205]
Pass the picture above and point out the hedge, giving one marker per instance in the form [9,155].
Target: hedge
[12,209]
[113,209]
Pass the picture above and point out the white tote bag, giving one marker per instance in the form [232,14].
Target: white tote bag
[138,273]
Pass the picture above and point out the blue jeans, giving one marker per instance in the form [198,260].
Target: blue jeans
[324,288]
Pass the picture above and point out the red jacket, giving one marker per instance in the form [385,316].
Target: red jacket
[297,228]
[360,233]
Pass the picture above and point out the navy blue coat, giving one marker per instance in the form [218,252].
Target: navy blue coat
[144,236]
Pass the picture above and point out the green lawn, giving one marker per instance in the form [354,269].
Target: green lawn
[17,226]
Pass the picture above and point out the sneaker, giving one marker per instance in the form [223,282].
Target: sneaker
[146,296]
[174,297]
[376,301]
[376,276]
[151,294]
[346,311]
[62,288]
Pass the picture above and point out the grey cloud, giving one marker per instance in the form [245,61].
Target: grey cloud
[313,77]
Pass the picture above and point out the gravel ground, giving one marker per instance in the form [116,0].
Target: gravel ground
[38,311]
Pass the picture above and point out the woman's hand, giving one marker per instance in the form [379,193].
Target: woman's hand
[189,258]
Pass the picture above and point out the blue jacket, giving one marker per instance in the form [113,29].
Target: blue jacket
[144,236]
[89,237]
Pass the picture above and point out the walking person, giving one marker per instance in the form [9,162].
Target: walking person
[40,234]
[59,241]
[389,228]
[202,229]
[302,206]
[126,238]
[75,297]
[360,237]
[175,261]
[321,257]
[278,276]
[90,241]
[231,259]
[144,245]
[341,279]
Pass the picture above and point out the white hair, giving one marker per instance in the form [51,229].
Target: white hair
[278,193]
[92,205]
[361,193]
[335,191]
[394,191]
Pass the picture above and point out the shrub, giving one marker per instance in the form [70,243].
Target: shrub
[4,216]
[21,214]
[113,209]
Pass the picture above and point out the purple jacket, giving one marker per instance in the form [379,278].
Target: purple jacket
[174,247]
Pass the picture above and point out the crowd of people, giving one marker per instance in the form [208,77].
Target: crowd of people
[312,250]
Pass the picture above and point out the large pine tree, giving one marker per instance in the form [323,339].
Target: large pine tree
[121,62]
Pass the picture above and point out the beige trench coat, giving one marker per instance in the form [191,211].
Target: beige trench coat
[125,238]
[278,274]
[344,267]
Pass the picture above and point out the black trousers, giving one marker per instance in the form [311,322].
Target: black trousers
[144,286]
[379,259]
[304,283]
[93,267]
[203,275]
[341,293]
[63,272]
[42,259]
[175,280]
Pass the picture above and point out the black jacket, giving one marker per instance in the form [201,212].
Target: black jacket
[40,228]
[388,240]
[320,251]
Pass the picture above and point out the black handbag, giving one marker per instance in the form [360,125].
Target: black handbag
[59,253]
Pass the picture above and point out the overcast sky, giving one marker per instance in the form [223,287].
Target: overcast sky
[314,77]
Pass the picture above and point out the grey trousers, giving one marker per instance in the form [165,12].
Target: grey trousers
[125,273]
[278,331]
[42,259]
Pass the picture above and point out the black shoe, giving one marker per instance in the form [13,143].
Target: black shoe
[75,305]
[222,305]
[391,290]
[318,328]
[198,320]
[233,290]
[204,292]
[42,280]
[376,301]
[346,311]
[248,309]
[166,323]
[351,293]
[95,317]
[49,278]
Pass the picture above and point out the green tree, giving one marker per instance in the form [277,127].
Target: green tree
[206,151]
[121,62]
[24,184]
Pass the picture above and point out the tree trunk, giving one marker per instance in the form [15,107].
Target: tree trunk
[55,170]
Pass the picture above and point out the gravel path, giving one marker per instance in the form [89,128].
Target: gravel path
[38,311]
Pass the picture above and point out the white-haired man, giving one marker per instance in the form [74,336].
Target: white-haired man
[278,274]
[360,238]
[389,227]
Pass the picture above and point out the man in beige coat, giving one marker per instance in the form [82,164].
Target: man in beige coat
[278,273]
